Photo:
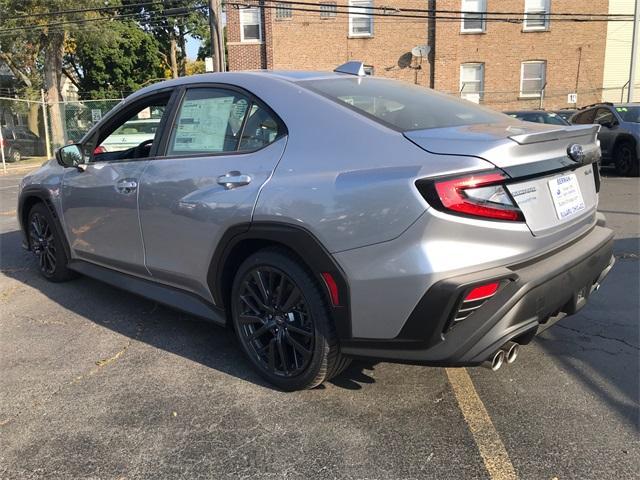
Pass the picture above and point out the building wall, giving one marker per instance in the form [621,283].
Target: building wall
[504,46]
[308,42]
[618,55]
[244,55]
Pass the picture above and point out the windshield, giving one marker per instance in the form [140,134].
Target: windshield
[629,114]
[402,106]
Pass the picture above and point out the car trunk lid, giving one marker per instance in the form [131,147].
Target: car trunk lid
[552,190]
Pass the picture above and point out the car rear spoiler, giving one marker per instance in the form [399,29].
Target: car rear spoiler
[572,131]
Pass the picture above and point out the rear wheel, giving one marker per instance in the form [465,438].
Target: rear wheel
[47,246]
[282,321]
[626,160]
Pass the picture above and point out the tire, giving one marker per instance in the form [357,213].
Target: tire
[282,321]
[14,157]
[626,159]
[47,245]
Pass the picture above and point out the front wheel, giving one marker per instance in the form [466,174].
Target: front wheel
[282,321]
[626,160]
[47,245]
[14,156]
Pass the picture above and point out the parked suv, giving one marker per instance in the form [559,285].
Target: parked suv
[619,133]
[327,216]
[19,142]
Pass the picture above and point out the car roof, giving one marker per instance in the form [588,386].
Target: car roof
[223,77]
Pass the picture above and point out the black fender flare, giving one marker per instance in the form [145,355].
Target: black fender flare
[297,239]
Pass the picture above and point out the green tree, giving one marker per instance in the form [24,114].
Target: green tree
[171,22]
[116,60]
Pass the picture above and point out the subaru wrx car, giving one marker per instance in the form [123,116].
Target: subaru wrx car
[330,216]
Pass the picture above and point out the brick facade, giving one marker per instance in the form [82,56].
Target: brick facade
[307,42]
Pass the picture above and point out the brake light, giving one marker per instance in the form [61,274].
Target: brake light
[99,149]
[478,195]
[483,291]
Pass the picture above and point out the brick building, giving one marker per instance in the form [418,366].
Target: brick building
[504,65]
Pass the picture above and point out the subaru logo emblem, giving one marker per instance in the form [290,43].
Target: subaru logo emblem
[576,153]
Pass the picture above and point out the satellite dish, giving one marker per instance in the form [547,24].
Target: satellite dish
[421,51]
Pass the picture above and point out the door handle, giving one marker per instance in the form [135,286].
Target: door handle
[126,186]
[233,179]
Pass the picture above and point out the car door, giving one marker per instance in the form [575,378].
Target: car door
[100,199]
[222,147]
[608,130]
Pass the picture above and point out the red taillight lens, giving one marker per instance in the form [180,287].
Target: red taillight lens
[478,195]
[482,291]
[99,149]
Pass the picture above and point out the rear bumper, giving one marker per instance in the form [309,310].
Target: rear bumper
[531,293]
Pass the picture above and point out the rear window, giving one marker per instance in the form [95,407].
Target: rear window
[402,106]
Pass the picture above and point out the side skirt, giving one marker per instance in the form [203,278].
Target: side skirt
[163,294]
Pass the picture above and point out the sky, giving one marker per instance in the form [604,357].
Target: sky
[192,47]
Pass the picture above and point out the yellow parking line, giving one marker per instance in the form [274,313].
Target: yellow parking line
[494,455]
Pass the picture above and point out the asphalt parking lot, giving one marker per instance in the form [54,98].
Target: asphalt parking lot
[99,383]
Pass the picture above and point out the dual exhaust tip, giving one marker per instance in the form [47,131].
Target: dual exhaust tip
[506,354]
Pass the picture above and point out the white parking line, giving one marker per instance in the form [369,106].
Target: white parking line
[9,187]
[494,454]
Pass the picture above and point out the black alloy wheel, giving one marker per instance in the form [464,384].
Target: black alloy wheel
[46,245]
[275,323]
[283,322]
[626,161]
[42,243]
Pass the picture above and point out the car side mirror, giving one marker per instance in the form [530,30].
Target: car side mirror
[70,156]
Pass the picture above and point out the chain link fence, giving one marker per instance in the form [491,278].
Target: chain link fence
[35,128]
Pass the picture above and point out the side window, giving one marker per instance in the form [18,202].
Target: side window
[604,116]
[213,120]
[133,135]
[584,117]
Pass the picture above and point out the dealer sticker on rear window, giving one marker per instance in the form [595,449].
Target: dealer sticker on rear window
[566,195]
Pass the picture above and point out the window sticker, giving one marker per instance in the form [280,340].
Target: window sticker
[203,125]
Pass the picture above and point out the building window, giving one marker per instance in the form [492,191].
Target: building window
[536,15]
[472,81]
[532,78]
[250,25]
[283,11]
[360,18]
[473,22]
[328,10]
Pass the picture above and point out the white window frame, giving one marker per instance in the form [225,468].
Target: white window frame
[531,9]
[355,11]
[244,11]
[468,95]
[543,78]
[482,7]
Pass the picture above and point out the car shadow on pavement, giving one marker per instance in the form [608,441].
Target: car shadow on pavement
[145,321]
[599,346]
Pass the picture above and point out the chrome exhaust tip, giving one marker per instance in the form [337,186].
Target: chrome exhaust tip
[495,362]
[511,350]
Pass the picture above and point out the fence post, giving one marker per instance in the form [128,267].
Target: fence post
[4,164]
[46,124]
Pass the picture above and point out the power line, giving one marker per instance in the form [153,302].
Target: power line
[153,15]
[387,9]
[83,10]
[430,14]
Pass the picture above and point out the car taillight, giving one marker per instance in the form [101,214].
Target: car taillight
[99,149]
[477,195]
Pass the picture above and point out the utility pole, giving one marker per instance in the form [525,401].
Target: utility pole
[215,32]
[634,52]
